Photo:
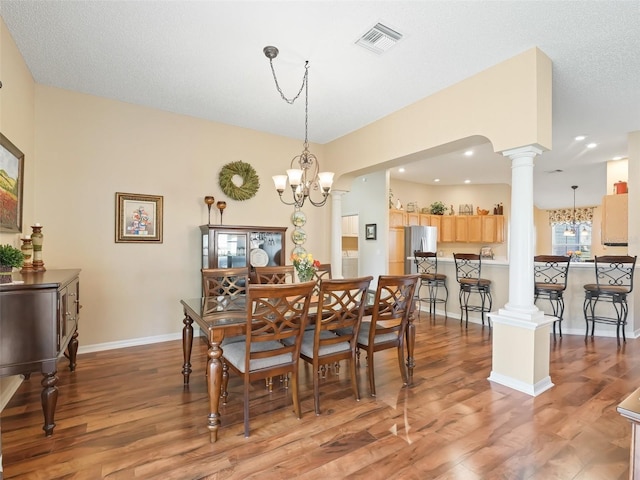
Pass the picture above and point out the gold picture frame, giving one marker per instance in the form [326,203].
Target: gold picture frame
[11,184]
[138,218]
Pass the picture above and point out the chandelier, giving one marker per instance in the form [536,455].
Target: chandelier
[304,175]
[570,231]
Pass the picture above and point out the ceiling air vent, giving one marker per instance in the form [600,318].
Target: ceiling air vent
[379,39]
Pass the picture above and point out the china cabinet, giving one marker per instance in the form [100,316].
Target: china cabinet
[227,246]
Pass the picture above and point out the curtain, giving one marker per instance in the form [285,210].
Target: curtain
[565,215]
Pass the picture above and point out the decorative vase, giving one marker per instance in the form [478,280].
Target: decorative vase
[5,274]
[37,239]
[305,276]
[27,251]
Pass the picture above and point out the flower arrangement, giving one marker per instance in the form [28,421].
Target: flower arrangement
[574,254]
[305,265]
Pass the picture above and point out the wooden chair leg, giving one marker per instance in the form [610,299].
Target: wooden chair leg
[372,380]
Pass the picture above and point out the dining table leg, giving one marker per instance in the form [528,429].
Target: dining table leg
[187,344]
[411,341]
[214,386]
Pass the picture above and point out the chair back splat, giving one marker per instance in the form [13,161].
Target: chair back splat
[274,275]
[276,319]
[224,281]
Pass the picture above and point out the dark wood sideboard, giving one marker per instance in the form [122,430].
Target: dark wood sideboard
[39,324]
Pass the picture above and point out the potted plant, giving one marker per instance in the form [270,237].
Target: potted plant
[437,208]
[10,258]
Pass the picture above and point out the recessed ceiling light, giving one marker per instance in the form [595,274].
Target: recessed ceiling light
[617,158]
[401,169]
[436,179]
[592,145]
[468,153]
[579,138]
[467,181]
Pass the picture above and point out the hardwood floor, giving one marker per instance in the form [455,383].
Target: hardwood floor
[124,414]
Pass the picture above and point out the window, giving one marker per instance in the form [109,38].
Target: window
[562,244]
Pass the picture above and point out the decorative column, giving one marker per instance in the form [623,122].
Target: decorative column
[336,233]
[520,330]
[37,239]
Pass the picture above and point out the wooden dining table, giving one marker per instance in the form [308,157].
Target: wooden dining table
[226,316]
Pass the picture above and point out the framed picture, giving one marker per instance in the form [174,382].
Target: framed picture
[370,231]
[11,180]
[138,218]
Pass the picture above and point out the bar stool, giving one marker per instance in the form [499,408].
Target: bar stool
[427,267]
[468,275]
[614,281]
[550,274]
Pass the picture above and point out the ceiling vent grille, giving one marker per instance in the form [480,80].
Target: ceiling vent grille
[379,39]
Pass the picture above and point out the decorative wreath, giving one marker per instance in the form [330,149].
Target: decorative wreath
[250,180]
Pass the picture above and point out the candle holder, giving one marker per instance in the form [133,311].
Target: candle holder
[27,251]
[221,206]
[37,239]
[209,201]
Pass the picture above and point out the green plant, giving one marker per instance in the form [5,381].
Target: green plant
[11,256]
[437,208]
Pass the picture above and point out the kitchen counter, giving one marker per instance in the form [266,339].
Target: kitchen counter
[580,273]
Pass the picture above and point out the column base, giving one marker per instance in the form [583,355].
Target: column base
[520,358]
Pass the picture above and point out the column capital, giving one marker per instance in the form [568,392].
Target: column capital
[528,151]
[337,193]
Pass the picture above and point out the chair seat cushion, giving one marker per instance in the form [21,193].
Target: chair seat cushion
[308,338]
[555,287]
[363,335]
[430,277]
[234,354]
[483,282]
[229,340]
[606,289]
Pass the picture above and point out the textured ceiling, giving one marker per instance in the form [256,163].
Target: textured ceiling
[204,59]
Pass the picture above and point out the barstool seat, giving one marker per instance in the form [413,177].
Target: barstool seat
[468,275]
[614,282]
[427,267]
[550,273]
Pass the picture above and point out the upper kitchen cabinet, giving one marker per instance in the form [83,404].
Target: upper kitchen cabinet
[397,218]
[615,215]
[350,226]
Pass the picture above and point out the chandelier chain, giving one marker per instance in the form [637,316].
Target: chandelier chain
[304,82]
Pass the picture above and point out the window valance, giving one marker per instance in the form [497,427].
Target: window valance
[565,215]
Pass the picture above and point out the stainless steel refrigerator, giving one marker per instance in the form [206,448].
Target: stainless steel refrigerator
[424,239]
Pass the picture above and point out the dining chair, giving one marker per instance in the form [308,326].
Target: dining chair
[340,307]
[427,269]
[550,274]
[274,274]
[224,281]
[386,327]
[614,282]
[323,272]
[469,277]
[276,317]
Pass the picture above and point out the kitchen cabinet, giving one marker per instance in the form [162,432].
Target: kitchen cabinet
[492,228]
[397,218]
[446,228]
[413,218]
[396,250]
[350,226]
[474,228]
[461,232]
[615,218]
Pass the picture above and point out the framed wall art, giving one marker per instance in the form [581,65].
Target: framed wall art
[370,231]
[11,181]
[138,218]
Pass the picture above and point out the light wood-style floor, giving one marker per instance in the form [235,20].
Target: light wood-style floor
[124,414]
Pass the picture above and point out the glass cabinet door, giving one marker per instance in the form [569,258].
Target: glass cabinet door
[271,244]
[231,250]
